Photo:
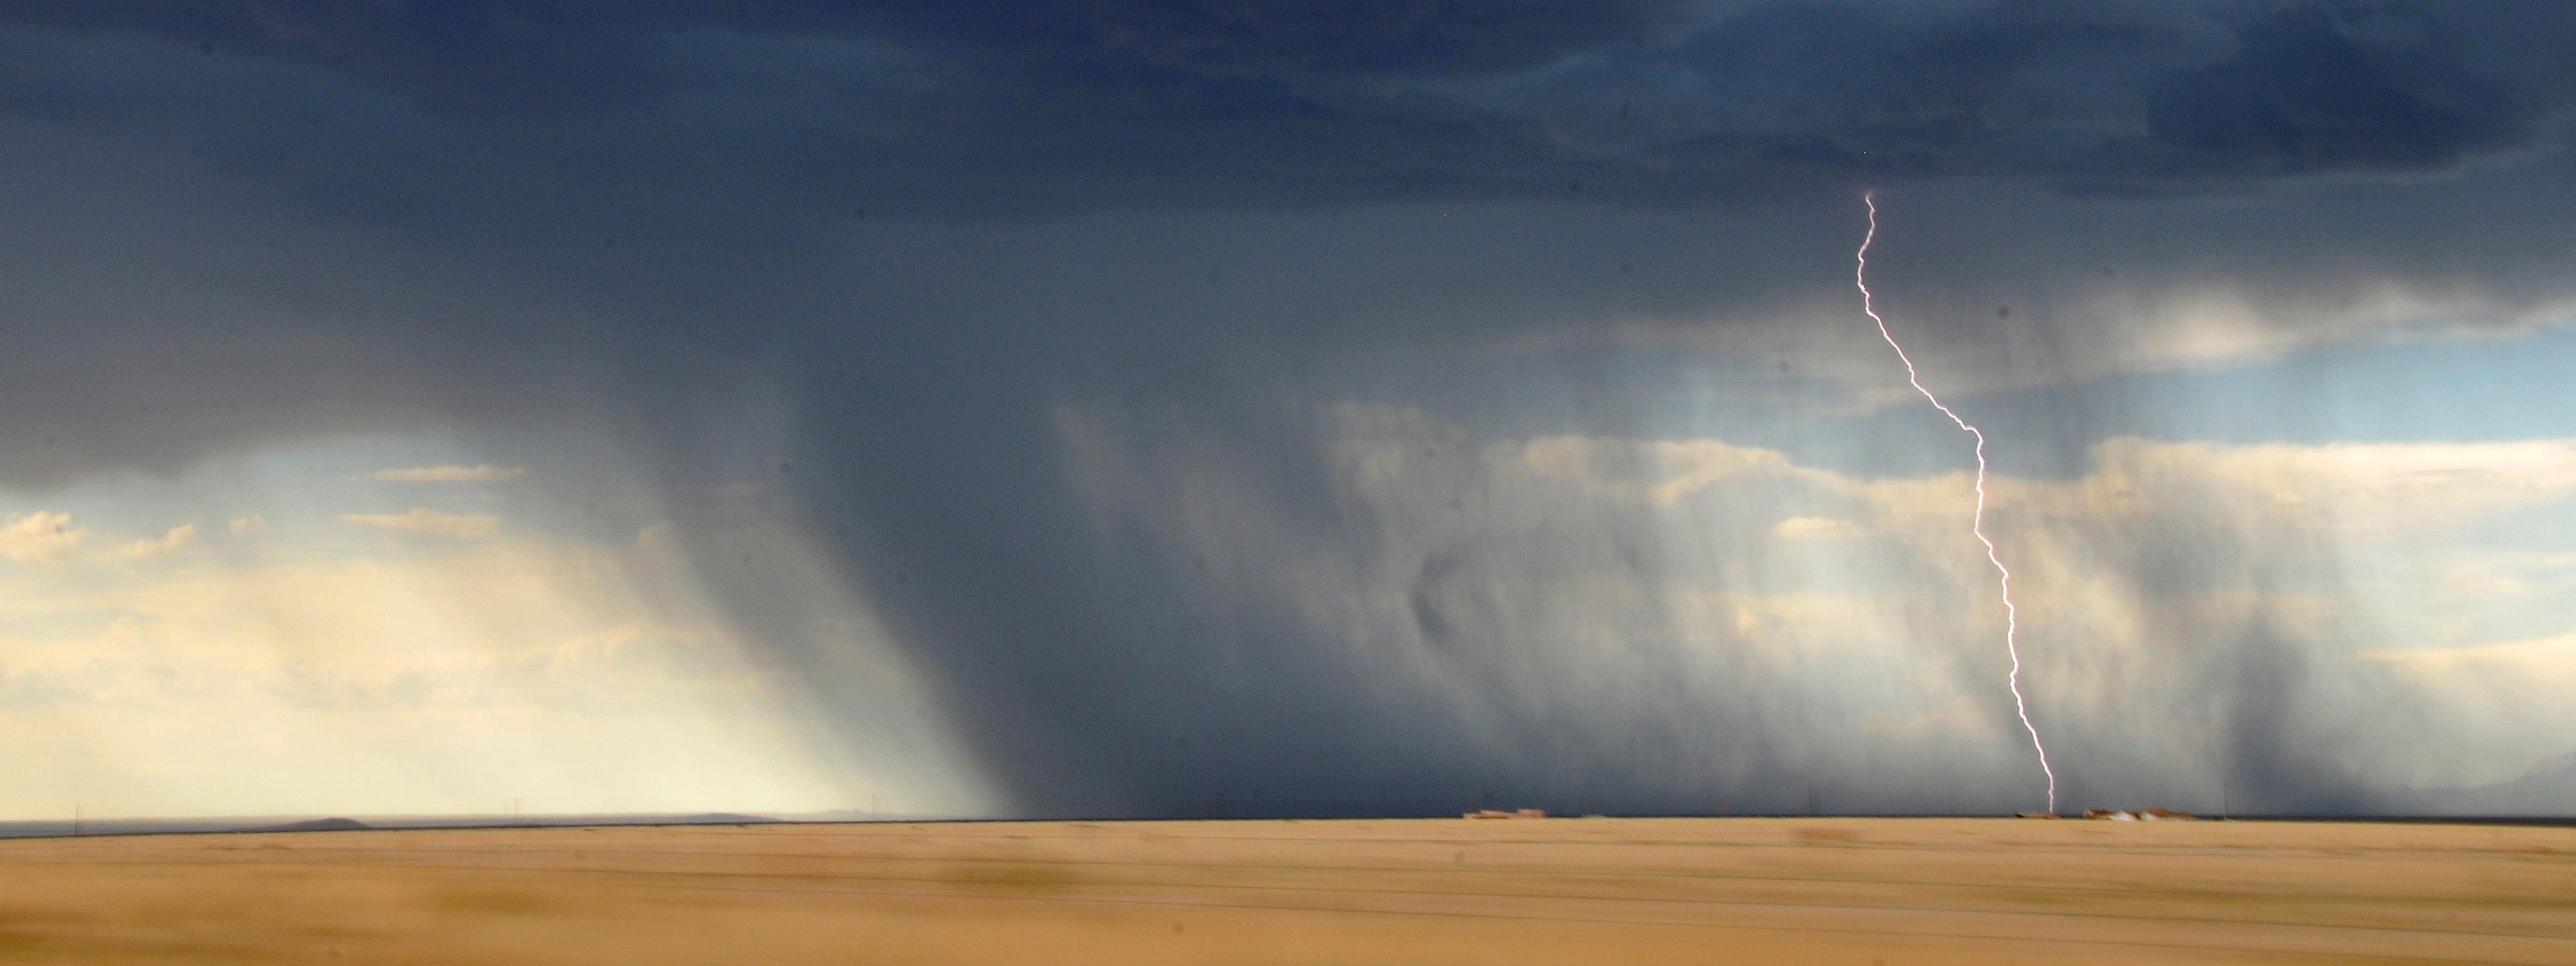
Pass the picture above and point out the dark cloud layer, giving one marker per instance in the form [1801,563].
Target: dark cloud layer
[939,228]
[1016,108]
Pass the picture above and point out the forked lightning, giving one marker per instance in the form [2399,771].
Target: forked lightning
[2012,618]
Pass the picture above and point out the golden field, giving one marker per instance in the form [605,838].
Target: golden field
[1412,892]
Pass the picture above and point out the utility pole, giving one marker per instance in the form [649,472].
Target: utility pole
[76,819]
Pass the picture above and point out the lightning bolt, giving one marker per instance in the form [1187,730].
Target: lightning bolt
[2012,617]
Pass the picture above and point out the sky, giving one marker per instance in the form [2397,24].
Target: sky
[1122,408]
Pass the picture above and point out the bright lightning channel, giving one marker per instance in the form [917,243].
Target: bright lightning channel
[2012,618]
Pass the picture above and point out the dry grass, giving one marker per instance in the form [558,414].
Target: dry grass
[1418,893]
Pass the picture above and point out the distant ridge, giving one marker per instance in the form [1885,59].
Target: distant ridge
[316,825]
[722,818]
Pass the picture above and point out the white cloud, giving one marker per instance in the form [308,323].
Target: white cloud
[40,538]
[178,538]
[245,526]
[2552,658]
[1653,471]
[462,526]
[450,473]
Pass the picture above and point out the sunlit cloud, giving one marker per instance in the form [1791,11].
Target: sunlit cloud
[40,538]
[462,526]
[572,677]
[1655,471]
[515,662]
[178,538]
[2551,658]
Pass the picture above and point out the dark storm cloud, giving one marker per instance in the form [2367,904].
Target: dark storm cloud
[1021,108]
[940,227]
[2311,92]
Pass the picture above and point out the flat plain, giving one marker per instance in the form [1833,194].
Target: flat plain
[1418,892]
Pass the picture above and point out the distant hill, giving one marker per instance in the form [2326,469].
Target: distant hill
[722,818]
[316,825]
